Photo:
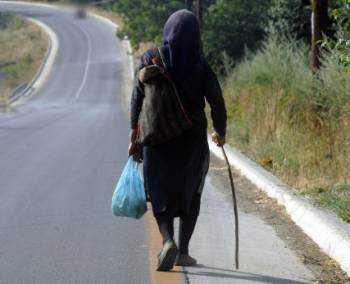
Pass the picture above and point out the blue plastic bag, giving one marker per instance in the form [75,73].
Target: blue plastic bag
[129,199]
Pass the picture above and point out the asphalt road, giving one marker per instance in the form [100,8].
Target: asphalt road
[60,156]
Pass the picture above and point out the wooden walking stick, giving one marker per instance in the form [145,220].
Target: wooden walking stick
[234,207]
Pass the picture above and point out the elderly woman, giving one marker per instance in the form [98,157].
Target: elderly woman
[174,171]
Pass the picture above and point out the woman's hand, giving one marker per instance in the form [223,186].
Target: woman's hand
[133,148]
[217,139]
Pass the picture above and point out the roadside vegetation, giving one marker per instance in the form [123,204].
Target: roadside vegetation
[23,46]
[292,122]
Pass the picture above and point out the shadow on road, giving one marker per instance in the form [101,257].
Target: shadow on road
[219,273]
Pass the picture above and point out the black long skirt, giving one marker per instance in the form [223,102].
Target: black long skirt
[174,172]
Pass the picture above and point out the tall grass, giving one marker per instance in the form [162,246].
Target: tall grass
[295,123]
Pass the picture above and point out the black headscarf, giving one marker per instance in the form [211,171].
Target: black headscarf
[181,43]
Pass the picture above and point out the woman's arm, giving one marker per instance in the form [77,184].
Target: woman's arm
[138,90]
[136,101]
[214,97]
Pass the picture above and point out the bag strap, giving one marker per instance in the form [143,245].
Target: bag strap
[168,76]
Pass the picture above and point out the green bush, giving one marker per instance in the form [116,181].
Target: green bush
[284,116]
[10,20]
[341,16]
[337,198]
[291,18]
[14,71]
[293,122]
[144,20]
[231,26]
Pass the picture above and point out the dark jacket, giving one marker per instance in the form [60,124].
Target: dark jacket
[174,172]
[201,84]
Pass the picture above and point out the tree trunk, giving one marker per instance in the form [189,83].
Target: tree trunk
[200,13]
[319,24]
[188,4]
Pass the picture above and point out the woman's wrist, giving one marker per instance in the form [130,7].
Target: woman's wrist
[218,139]
[133,134]
[221,133]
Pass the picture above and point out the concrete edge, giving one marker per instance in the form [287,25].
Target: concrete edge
[45,68]
[54,46]
[330,233]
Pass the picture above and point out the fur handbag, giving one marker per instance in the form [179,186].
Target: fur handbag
[162,116]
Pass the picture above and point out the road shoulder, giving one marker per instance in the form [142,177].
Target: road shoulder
[272,248]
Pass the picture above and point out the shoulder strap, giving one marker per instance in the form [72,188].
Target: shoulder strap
[162,64]
[161,56]
[167,74]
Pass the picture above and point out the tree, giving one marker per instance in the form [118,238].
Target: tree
[231,26]
[320,23]
[291,18]
[339,45]
[200,12]
[143,20]
[189,4]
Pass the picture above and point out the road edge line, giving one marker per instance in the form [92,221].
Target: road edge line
[330,233]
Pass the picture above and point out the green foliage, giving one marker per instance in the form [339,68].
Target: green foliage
[13,71]
[232,25]
[336,197]
[10,20]
[284,116]
[143,20]
[341,44]
[5,19]
[291,18]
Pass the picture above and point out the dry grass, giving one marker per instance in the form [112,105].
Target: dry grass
[293,123]
[23,46]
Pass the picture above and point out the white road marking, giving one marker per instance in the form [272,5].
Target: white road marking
[87,65]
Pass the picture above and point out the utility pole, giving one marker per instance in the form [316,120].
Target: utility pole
[188,4]
[200,13]
[319,24]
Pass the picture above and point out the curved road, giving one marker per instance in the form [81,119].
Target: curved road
[60,157]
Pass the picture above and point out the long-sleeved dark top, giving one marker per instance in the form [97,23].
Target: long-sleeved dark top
[200,85]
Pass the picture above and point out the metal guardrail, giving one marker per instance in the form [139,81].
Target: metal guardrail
[16,92]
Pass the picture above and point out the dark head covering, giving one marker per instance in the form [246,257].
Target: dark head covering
[181,43]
